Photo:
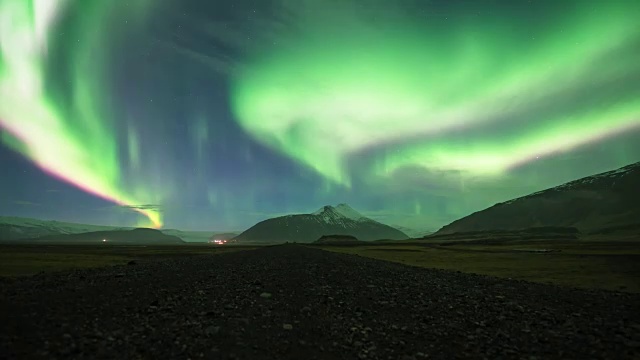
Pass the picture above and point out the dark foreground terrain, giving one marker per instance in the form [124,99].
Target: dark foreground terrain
[293,302]
[30,259]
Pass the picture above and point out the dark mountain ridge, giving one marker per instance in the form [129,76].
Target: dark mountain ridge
[606,200]
[328,220]
[139,236]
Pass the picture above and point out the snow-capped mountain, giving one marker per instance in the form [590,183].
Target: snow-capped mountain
[607,200]
[328,220]
[605,179]
[340,211]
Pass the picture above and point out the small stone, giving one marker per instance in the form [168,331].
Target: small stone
[212,330]
[265,295]
[287,326]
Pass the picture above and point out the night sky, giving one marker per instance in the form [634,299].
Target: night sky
[213,115]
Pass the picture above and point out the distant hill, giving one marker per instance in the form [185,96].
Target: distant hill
[607,200]
[337,239]
[140,236]
[328,220]
[200,236]
[223,236]
[414,232]
[18,228]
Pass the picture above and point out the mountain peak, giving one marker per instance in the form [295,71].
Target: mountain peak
[340,210]
[326,208]
[347,211]
[339,220]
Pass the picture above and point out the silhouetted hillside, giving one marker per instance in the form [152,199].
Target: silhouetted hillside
[138,236]
[606,200]
[329,220]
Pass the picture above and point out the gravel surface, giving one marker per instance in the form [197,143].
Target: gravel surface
[293,302]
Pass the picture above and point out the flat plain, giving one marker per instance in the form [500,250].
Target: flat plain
[30,259]
[591,263]
[298,302]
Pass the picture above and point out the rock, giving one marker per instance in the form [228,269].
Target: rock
[212,330]
[287,326]
[265,295]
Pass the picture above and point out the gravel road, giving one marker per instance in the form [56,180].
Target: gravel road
[293,302]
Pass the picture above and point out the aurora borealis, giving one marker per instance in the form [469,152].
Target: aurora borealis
[211,115]
[74,142]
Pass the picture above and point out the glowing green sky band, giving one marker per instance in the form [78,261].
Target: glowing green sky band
[77,143]
[492,156]
[341,85]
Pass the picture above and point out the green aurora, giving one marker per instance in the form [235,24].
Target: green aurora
[340,85]
[70,137]
[199,114]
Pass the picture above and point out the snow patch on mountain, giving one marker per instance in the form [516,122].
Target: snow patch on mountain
[332,214]
[348,212]
[605,176]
